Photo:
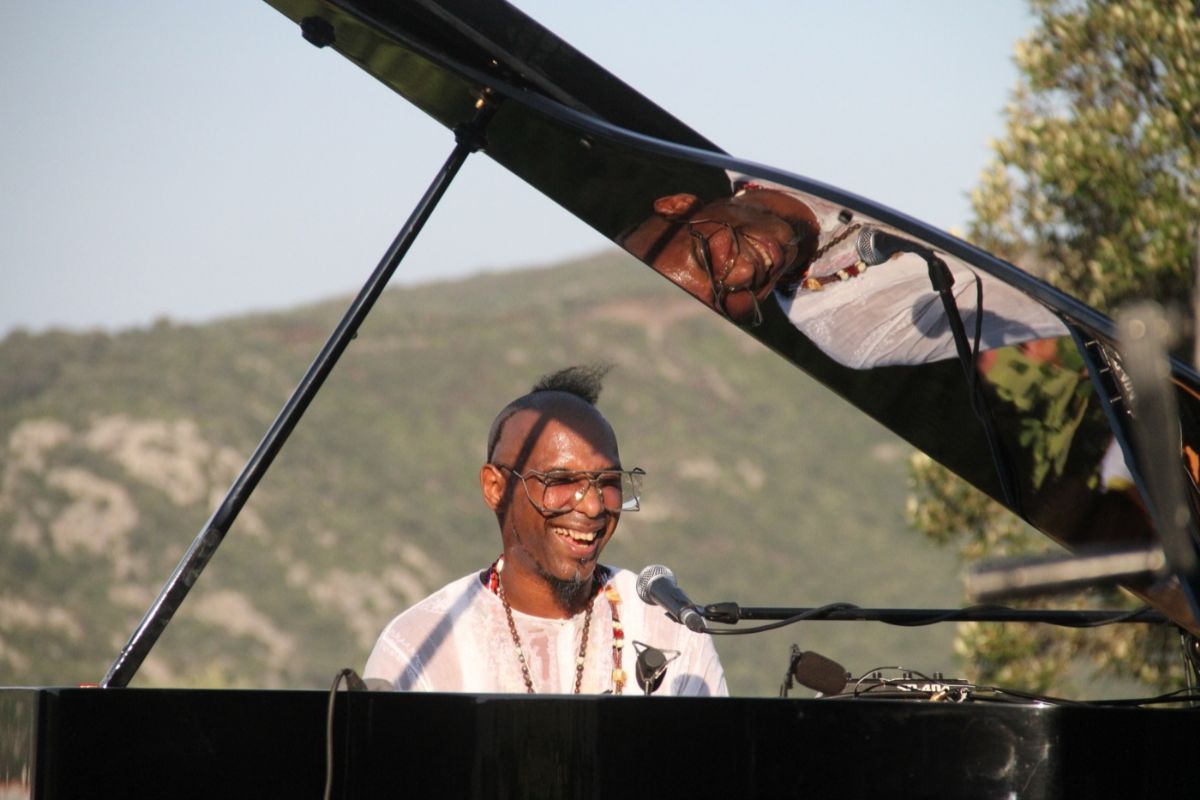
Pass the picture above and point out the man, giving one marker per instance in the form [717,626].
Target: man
[733,252]
[546,617]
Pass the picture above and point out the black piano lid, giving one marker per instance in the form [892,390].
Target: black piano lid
[1049,368]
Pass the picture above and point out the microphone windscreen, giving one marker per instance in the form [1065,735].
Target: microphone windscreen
[865,247]
[646,576]
[819,673]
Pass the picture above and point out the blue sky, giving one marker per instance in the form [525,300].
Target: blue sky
[198,160]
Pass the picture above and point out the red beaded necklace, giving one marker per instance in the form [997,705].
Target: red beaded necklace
[492,580]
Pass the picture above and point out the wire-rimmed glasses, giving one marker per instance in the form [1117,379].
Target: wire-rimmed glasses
[718,274]
[563,490]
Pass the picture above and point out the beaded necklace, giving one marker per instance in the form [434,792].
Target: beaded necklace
[492,581]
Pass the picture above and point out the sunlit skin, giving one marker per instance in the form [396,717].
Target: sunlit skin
[566,433]
[754,239]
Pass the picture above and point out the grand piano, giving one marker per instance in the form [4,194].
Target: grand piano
[916,328]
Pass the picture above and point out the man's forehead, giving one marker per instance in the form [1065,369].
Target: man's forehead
[543,423]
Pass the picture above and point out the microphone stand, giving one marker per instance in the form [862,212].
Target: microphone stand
[942,279]
[731,613]
[468,139]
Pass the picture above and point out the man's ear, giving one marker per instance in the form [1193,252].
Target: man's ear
[494,486]
[675,207]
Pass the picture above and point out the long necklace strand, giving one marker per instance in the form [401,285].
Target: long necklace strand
[493,582]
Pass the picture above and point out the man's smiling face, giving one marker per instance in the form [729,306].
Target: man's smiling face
[731,252]
[555,551]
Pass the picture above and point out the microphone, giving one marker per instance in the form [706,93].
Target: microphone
[652,666]
[875,246]
[816,672]
[656,586]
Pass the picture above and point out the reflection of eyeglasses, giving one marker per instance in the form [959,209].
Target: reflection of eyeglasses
[703,254]
[563,490]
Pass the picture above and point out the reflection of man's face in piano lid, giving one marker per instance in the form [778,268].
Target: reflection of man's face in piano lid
[731,252]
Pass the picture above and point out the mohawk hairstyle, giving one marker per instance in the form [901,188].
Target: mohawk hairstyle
[582,381]
[585,382]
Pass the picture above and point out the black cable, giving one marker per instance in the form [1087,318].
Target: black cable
[1110,621]
[941,280]
[349,676]
[976,392]
[952,615]
[938,618]
[812,613]
[1184,695]
[823,612]
[983,693]
[1189,647]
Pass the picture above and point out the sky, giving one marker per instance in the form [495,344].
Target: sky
[200,160]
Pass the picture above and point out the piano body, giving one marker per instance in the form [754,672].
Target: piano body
[216,743]
[514,91]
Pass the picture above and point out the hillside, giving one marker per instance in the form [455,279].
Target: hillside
[114,449]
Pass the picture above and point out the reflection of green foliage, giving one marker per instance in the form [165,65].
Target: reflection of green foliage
[1096,187]
[1052,401]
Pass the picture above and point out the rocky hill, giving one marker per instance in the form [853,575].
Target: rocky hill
[763,487]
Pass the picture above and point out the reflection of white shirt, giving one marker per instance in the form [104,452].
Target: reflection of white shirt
[457,640]
[891,315]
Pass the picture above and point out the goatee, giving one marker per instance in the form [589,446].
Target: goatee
[571,593]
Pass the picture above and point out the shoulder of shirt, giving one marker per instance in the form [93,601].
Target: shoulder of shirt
[467,583]
[625,581]
[463,590]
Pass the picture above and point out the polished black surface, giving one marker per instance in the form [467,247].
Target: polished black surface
[1047,429]
[1056,400]
[265,744]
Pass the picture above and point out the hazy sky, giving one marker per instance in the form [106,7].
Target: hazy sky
[196,160]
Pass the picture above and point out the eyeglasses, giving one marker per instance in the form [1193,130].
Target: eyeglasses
[563,490]
[717,274]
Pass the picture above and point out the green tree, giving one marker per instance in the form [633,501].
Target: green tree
[1096,179]
[1095,187]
